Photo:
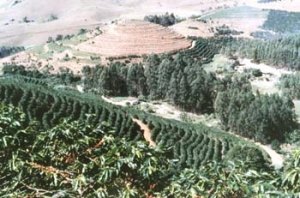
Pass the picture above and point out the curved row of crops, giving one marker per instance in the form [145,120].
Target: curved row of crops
[192,145]
[206,49]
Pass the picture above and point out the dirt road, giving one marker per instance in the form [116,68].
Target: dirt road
[146,130]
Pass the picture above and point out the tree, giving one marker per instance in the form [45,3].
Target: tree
[255,56]
[262,117]
[151,72]
[183,93]
[104,82]
[251,156]
[172,93]
[165,70]
[136,81]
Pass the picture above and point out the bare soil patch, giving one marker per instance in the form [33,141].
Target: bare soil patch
[146,131]
[134,37]
[193,28]
[71,15]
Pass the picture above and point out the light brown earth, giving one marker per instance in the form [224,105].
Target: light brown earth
[146,131]
[196,28]
[246,25]
[121,39]
[73,15]
[134,37]
[192,27]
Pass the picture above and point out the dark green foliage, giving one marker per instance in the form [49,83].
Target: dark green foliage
[106,80]
[183,92]
[225,30]
[257,73]
[59,37]
[282,52]
[65,77]
[206,49]
[251,155]
[49,106]
[262,117]
[75,159]
[283,22]
[294,137]
[290,85]
[179,79]
[136,81]
[164,20]
[151,74]
[6,51]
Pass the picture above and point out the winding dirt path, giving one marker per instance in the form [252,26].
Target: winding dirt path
[276,158]
[146,130]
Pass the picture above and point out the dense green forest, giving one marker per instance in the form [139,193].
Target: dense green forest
[6,51]
[290,85]
[281,52]
[76,159]
[180,80]
[282,22]
[261,117]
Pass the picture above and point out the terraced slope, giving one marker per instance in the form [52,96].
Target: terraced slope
[134,37]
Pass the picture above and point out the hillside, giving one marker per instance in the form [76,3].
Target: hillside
[89,160]
[127,38]
[44,19]
[134,38]
[150,98]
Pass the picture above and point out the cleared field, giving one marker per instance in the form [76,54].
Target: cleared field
[238,13]
[126,38]
[72,15]
[219,64]
[242,18]
[134,37]
[193,28]
[267,84]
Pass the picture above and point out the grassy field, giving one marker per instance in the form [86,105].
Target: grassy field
[75,40]
[219,64]
[238,13]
